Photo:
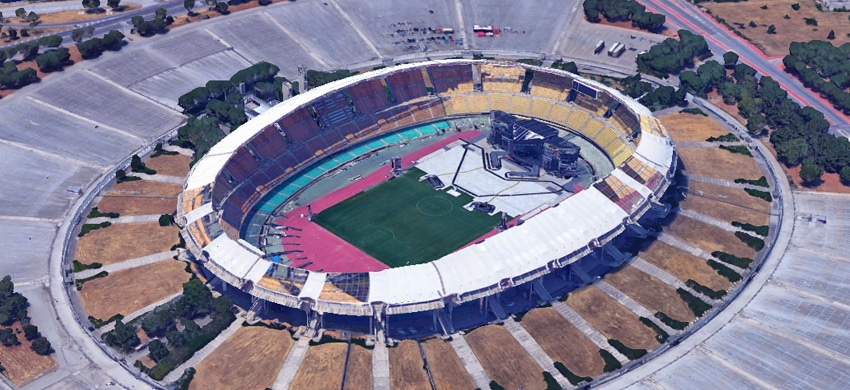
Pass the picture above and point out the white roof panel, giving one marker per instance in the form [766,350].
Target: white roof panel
[199,212]
[313,286]
[656,149]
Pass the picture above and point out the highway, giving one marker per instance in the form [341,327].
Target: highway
[681,14]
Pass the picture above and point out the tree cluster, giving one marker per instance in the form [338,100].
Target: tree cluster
[94,47]
[11,77]
[316,78]
[221,89]
[123,337]
[53,60]
[158,24]
[672,56]
[623,11]
[823,68]
[13,305]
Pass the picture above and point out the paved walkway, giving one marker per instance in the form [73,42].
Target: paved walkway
[662,275]
[125,219]
[126,264]
[631,304]
[183,151]
[204,352]
[535,351]
[291,364]
[683,245]
[724,183]
[706,144]
[160,178]
[470,361]
[587,329]
[709,220]
[380,367]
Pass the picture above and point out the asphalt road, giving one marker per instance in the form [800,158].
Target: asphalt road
[681,14]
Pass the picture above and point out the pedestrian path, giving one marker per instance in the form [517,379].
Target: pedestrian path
[160,178]
[631,304]
[380,367]
[204,352]
[587,329]
[291,364]
[709,220]
[662,275]
[535,351]
[126,219]
[470,362]
[126,264]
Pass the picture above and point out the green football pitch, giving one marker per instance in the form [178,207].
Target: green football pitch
[404,220]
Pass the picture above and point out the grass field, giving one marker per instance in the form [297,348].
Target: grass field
[724,211]
[146,189]
[718,163]
[125,241]
[689,127]
[132,289]
[650,292]
[406,364]
[729,195]
[563,342]
[504,359]
[130,205]
[322,367]
[404,220]
[21,363]
[250,359]
[446,368]
[171,165]
[683,265]
[708,237]
[358,372]
[612,319]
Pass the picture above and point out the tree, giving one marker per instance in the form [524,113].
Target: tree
[753,24]
[844,174]
[9,338]
[810,173]
[831,35]
[771,29]
[157,350]
[91,5]
[112,40]
[730,59]
[114,4]
[591,11]
[31,332]
[649,21]
[122,337]
[189,4]
[221,7]
[161,13]
[166,220]
[32,18]
[21,13]
[196,299]
[82,33]
[793,151]
[53,60]
[690,81]
[13,34]
[755,124]
[795,6]
[41,346]
[50,41]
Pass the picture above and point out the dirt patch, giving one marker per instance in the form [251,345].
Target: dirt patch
[731,109]
[503,359]
[145,188]
[171,165]
[683,265]
[650,292]
[563,342]
[830,182]
[125,241]
[734,196]
[184,19]
[689,127]
[130,205]
[787,30]
[724,211]
[250,359]
[446,368]
[123,292]
[718,163]
[322,367]
[21,363]
[707,237]
[406,364]
[612,319]
[78,15]
[628,26]
[358,372]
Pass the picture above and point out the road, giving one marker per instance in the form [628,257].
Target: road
[682,14]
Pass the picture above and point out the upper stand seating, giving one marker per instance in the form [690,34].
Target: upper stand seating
[407,85]
[502,79]
[618,192]
[369,96]
[550,85]
[451,79]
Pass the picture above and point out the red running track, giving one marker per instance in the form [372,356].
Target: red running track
[322,249]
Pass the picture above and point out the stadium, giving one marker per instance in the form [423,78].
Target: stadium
[239,211]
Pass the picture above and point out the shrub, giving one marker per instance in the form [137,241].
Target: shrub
[751,241]
[98,323]
[79,282]
[166,220]
[9,338]
[41,346]
[495,386]
[673,323]
[660,334]
[761,230]
[159,151]
[693,111]
[551,383]
[795,6]
[611,363]
[136,165]
[705,290]
[724,271]
[189,373]
[630,353]
[573,378]
[740,262]
[31,332]
[729,137]
[771,29]
[761,182]
[78,267]
[811,21]
[92,226]
[739,149]
[695,304]
[759,194]
[95,213]
[121,176]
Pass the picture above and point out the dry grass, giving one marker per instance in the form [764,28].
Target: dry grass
[129,205]
[358,373]
[132,289]
[250,359]
[787,31]
[683,265]
[77,15]
[504,359]
[406,364]
[322,367]
[145,188]
[707,237]
[689,127]
[718,163]
[170,165]
[612,319]
[734,196]
[125,241]
[723,211]
[21,363]
[650,292]
[446,368]
[563,342]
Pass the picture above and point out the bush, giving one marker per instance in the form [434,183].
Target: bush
[761,182]
[9,338]
[573,378]
[157,350]
[95,213]
[705,290]
[795,6]
[78,267]
[611,363]
[495,386]
[693,111]
[811,21]
[761,230]
[739,149]
[79,282]
[673,323]
[740,262]
[136,165]
[122,338]
[92,226]
[759,194]
[724,271]
[695,304]
[98,323]
[41,346]
[660,334]
[751,241]
[729,137]
[121,176]
[630,353]
[316,78]
[551,383]
[166,220]
[31,332]
[189,373]
[53,60]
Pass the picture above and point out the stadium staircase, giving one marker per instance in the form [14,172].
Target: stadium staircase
[541,291]
[577,270]
[496,307]
[445,324]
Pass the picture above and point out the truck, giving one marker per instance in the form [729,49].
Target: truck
[616,50]
[599,46]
